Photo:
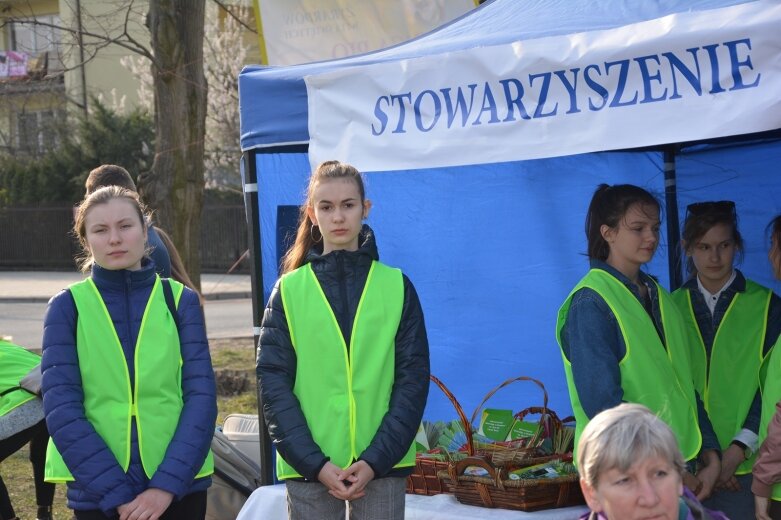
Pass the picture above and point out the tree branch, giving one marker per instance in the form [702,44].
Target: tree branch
[241,22]
[131,45]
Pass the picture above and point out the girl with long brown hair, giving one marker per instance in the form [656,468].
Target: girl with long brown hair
[343,363]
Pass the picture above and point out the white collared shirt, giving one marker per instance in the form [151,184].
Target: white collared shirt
[712,298]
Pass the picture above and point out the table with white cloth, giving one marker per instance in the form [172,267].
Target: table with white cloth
[269,503]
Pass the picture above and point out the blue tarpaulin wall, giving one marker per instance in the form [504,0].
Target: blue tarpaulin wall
[493,250]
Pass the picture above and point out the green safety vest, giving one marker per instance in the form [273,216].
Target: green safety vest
[343,397]
[109,404]
[729,382]
[771,394]
[15,363]
[651,374]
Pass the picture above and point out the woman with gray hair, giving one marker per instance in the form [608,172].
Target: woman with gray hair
[631,467]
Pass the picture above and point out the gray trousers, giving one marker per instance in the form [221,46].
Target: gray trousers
[384,500]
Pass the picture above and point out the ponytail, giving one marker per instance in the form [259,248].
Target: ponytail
[296,255]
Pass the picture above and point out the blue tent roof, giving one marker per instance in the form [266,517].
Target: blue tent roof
[274,99]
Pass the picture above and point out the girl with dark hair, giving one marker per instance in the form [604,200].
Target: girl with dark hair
[622,339]
[766,485]
[732,324]
[343,362]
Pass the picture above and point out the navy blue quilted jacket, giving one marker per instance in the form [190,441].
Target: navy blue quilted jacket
[342,276]
[100,483]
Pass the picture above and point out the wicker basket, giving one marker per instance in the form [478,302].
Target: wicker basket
[496,489]
[424,479]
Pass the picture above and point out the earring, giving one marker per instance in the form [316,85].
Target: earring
[312,233]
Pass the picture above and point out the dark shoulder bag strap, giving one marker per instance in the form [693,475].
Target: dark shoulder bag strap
[169,300]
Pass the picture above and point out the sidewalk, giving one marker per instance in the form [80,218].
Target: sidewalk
[39,286]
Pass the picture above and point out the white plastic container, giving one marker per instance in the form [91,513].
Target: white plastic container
[242,430]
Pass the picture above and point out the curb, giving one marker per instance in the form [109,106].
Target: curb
[24,299]
[235,295]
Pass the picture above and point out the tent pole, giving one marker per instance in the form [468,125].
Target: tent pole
[252,213]
[671,204]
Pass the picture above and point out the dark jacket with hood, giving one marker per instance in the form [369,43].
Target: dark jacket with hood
[342,276]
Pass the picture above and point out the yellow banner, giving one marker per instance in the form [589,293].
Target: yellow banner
[302,31]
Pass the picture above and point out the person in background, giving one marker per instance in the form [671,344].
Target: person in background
[621,337]
[766,484]
[630,468]
[343,361]
[732,323]
[178,271]
[22,422]
[113,175]
[128,385]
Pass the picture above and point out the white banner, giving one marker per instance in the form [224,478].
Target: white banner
[679,78]
[302,31]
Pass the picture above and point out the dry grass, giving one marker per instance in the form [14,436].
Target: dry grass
[233,354]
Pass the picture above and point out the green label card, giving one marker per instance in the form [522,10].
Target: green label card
[523,429]
[495,424]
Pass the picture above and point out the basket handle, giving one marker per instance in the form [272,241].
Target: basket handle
[459,410]
[457,469]
[509,382]
[549,420]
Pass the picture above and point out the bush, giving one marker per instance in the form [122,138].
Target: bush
[104,137]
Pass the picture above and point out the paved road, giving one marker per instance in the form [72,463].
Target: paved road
[229,318]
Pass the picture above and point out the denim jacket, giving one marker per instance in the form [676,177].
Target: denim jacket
[593,327]
[709,325]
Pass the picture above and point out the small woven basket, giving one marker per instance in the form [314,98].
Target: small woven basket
[497,489]
[425,479]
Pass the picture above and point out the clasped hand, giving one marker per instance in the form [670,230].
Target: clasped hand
[346,484]
[149,505]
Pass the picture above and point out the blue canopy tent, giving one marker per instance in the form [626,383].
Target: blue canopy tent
[492,235]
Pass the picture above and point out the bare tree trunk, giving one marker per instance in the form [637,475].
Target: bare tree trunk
[174,185]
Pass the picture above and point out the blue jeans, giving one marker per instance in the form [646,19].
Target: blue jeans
[384,500]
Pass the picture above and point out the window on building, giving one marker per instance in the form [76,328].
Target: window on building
[35,39]
[36,131]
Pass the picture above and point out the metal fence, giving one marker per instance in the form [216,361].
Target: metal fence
[40,238]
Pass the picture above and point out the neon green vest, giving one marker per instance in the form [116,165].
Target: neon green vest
[732,379]
[15,363]
[771,394]
[343,398]
[109,404]
[651,375]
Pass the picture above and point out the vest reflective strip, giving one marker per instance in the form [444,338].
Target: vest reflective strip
[15,363]
[157,396]
[667,389]
[732,381]
[771,394]
[343,398]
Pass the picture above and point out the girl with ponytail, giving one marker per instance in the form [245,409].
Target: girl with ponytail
[343,365]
